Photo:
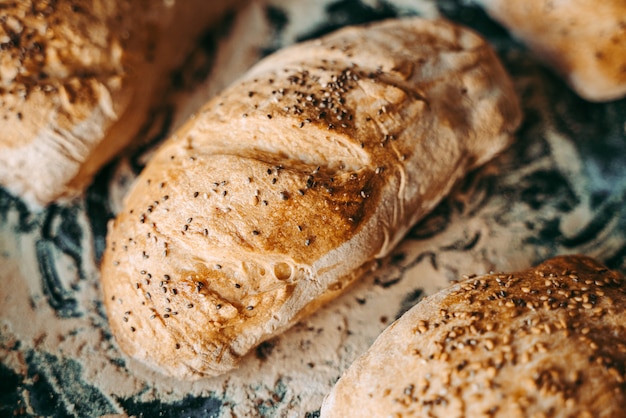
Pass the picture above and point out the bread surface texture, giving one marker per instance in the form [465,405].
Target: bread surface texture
[285,188]
[549,341]
[77,80]
[582,40]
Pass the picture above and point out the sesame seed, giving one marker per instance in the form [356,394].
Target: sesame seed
[489,345]
[422,327]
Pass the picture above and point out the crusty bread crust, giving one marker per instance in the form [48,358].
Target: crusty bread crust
[287,186]
[548,341]
[583,40]
[77,79]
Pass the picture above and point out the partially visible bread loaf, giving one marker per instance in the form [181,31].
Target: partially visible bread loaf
[77,78]
[287,186]
[583,40]
[545,342]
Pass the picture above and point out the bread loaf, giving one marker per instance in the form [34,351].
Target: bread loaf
[286,187]
[582,40]
[549,341]
[77,79]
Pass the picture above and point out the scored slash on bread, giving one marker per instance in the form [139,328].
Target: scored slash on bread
[286,188]
[549,341]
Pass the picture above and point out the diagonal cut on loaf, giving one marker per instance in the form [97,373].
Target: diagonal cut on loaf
[285,188]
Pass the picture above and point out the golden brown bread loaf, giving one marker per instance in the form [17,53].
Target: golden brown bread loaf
[287,186]
[546,342]
[583,40]
[77,78]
